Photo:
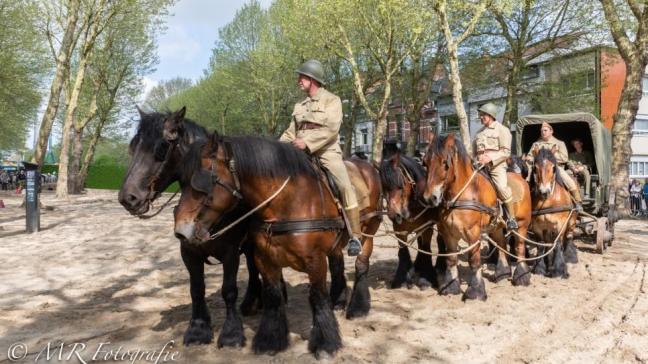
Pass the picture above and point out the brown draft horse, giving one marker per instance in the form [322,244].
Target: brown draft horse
[552,204]
[466,215]
[402,178]
[299,228]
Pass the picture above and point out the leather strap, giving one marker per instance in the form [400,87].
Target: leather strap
[300,226]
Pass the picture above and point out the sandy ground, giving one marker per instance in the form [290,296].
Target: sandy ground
[96,276]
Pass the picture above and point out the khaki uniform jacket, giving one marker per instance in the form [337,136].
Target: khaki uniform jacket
[495,141]
[585,158]
[561,152]
[324,109]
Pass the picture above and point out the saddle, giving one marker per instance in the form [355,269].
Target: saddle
[357,183]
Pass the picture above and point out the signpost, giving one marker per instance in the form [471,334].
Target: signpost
[32,182]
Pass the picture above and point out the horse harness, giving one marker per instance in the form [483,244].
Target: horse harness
[204,181]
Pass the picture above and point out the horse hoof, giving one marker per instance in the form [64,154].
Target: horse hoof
[539,269]
[450,288]
[199,332]
[357,312]
[521,276]
[571,253]
[423,284]
[475,291]
[396,284]
[234,340]
[502,272]
[324,355]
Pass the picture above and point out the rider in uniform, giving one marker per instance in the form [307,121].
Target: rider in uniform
[314,128]
[547,140]
[492,147]
[581,163]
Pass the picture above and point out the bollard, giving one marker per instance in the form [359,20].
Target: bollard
[31,197]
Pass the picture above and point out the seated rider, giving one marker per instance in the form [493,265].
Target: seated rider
[492,147]
[315,129]
[548,141]
[581,163]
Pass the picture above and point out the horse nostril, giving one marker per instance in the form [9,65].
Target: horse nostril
[180,237]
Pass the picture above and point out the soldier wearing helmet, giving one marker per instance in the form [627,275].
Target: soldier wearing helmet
[492,147]
[314,128]
[548,141]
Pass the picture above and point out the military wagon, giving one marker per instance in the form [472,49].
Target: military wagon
[599,209]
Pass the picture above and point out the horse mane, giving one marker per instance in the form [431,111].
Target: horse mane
[255,157]
[390,178]
[438,146]
[151,126]
[262,157]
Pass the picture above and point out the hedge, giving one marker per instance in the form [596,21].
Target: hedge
[106,177]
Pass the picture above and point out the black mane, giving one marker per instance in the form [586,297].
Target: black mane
[390,177]
[256,157]
[151,126]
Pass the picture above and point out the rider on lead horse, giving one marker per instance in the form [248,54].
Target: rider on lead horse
[315,129]
[491,148]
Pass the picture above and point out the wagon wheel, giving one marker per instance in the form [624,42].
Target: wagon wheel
[604,234]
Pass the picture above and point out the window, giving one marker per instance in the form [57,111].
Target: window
[644,85]
[532,71]
[365,136]
[640,126]
[639,168]
[590,80]
[450,124]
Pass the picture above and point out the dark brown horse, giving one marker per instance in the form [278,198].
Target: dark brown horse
[297,225]
[402,181]
[156,153]
[468,208]
[553,215]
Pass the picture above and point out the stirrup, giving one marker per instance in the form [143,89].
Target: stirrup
[511,224]
[354,247]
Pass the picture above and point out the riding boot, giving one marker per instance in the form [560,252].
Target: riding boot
[511,223]
[578,201]
[354,246]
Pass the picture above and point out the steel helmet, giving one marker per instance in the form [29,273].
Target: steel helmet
[313,69]
[490,109]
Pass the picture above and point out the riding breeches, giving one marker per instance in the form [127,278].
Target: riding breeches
[500,180]
[568,181]
[332,160]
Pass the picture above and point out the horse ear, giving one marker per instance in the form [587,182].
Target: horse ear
[180,114]
[396,158]
[141,113]
[174,125]
[535,151]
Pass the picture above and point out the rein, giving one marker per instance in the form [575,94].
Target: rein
[155,177]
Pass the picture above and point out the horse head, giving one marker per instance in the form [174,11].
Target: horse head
[398,181]
[211,193]
[544,171]
[155,152]
[442,157]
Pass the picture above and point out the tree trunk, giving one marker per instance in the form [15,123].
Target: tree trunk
[62,71]
[92,146]
[622,133]
[512,86]
[457,97]
[412,140]
[75,165]
[349,131]
[380,126]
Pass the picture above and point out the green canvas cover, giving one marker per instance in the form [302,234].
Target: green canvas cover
[599,139]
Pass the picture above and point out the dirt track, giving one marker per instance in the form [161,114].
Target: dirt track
[96,275]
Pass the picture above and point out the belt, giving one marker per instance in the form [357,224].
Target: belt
[306,125]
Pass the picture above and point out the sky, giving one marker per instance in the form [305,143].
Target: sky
[192,30]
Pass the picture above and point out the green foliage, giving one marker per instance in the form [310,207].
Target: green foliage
[22,67]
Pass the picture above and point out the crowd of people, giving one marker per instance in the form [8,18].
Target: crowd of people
[15,180]
[639,197]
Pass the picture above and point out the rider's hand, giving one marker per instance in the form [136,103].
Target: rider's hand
[484,159]
[299,143]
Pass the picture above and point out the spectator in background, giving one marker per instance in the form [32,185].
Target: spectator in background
[4,179]
[635,197]
[644,192]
